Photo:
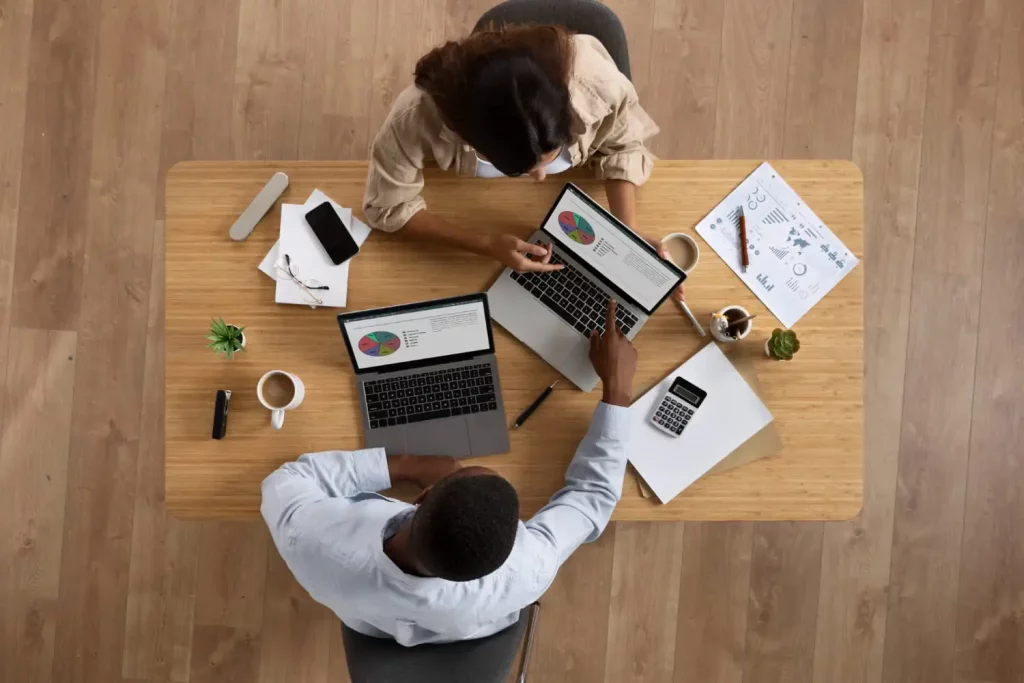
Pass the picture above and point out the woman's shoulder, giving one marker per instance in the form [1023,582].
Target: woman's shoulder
[596,86]
[413,109]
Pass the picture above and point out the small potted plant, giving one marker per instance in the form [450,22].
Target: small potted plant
[225,339]
[782,345]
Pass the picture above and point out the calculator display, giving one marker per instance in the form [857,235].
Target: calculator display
[683,393]
[688,392]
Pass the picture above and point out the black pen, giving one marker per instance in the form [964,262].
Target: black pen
[533,406]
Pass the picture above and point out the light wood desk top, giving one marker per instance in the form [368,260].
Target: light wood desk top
[816,399]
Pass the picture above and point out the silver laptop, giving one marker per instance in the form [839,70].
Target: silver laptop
[553,313]
[428,378]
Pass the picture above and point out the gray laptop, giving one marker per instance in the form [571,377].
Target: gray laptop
[428,378]
[554,313]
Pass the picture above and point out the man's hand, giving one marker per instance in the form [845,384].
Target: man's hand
[614,359]
[513,252]
[422,470]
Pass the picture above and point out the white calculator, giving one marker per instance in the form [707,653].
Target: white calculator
[677,407]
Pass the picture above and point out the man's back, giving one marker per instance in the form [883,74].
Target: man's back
[461,565]
[330,527]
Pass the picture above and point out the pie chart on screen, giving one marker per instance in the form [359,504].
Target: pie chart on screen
[576,227]
[378,344]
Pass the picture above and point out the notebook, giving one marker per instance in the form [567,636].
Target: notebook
[310,260]
[731,414]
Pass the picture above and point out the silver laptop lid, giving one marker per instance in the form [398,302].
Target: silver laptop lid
[613,254]
[418,335]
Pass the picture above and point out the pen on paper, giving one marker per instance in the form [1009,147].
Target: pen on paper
[745,260]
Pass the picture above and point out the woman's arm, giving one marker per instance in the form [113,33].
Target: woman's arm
[508,249]
[622,200]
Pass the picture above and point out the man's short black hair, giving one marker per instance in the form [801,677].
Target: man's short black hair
[466,526]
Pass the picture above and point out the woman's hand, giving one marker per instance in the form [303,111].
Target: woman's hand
[679,294]
[515,253]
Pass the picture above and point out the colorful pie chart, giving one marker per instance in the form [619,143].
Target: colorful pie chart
[379,344]
[576,227]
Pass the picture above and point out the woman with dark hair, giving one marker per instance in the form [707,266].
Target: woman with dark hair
[529,100]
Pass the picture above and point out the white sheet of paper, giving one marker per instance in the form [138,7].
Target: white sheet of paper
[319,265]
[795,259]
[731,414]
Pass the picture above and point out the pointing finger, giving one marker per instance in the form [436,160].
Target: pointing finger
[528,248]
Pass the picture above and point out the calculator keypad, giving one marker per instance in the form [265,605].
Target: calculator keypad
[672,415]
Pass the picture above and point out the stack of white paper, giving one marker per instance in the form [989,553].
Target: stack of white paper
[731,414]
[308,259]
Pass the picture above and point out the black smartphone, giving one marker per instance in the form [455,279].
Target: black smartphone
[333,235]
[220,413]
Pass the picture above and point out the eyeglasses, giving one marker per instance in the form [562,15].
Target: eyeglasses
[287,270]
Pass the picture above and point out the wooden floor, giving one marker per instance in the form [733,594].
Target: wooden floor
[99,97]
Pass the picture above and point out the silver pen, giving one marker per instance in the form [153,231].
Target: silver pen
[693,320]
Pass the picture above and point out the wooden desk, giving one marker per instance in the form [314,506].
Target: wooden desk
[816,398]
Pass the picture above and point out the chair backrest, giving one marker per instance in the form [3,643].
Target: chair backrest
[589,17]
[381,660]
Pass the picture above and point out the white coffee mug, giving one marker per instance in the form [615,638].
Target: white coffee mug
[277,401]
[691,246]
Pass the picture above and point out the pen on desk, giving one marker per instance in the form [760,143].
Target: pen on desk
[692,318]
[743,240]
[533,406]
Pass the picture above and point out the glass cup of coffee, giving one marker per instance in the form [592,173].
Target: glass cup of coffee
[280,391]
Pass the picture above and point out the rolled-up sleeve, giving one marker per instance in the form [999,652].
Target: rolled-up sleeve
[621,145]
[394,180]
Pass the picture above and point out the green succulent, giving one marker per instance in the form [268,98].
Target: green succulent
[783,344]
[225,339]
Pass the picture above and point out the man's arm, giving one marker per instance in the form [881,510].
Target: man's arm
[341,475]
[580,511]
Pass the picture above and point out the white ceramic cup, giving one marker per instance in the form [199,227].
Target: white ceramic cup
[690,243]
[277,411]
[746,327]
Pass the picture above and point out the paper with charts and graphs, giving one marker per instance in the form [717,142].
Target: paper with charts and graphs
[795,260]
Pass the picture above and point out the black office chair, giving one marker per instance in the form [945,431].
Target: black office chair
[589,17]
[485,660]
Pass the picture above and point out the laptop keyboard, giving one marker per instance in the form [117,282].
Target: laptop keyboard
[573,297]
[430,395]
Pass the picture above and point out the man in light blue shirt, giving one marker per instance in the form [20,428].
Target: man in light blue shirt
[459,564]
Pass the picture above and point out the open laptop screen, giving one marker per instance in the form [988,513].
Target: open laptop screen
[622,257]
[417,334]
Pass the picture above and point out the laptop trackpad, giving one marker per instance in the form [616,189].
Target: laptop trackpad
[391,439]
[440,437]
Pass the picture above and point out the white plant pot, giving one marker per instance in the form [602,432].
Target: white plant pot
[716,332]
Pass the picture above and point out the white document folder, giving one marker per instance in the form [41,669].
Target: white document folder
[730,415]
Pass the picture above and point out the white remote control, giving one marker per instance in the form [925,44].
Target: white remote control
[259,206]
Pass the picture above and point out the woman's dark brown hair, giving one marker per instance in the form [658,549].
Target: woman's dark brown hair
[504,91]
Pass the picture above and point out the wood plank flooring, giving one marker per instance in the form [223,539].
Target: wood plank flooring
[98,98]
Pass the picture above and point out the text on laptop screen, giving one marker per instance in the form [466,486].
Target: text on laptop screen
[422,334]
[589,236]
